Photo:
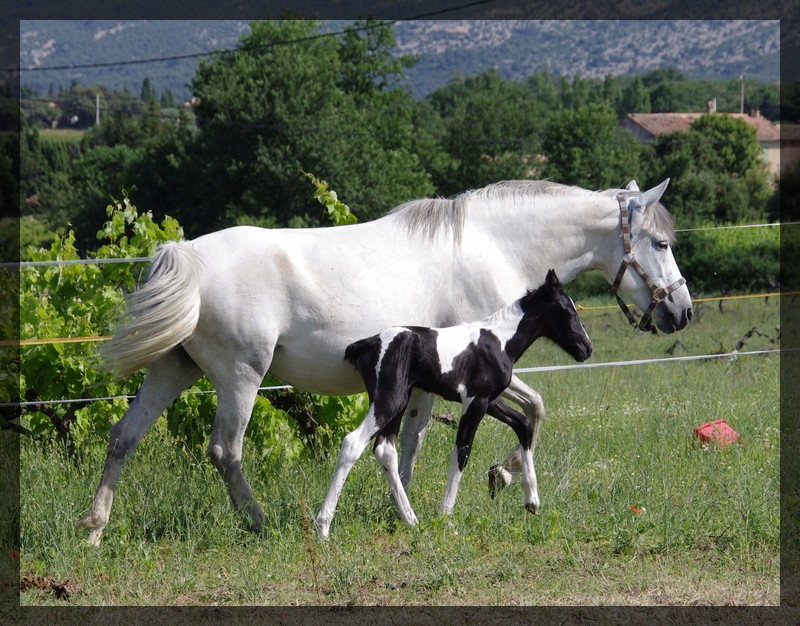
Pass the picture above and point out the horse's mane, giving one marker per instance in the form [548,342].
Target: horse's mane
[429,215]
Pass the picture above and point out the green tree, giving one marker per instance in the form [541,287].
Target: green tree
[716,169]
[612,92]
[492,128]
[587,147]
[734,141]
[544,89]
[148,93]
[635,98]
[268,111]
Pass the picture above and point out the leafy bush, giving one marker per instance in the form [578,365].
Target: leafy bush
[82,300]
[731,260]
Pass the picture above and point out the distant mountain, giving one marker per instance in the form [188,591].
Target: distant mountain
[592,49]
[700,49]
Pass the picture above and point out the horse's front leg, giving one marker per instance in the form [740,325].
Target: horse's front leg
[414,429]
[532,406]
[471,415]
[352,447]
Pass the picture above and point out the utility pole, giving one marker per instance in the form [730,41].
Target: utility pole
[97,109]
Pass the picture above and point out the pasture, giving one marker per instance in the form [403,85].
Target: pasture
[634,512]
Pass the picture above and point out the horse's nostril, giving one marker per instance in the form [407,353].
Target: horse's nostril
[689,314]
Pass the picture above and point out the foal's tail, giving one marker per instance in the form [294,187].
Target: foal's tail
[161,314]
[363,354]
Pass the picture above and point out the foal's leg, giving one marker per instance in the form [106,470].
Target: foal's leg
[412,435]
[524,431]
[386,453]
[352,447]
[473,412]
[530,401]
[163,382]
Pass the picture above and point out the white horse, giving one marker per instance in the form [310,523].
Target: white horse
[244,301]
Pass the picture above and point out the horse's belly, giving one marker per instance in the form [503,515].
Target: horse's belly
[324,373]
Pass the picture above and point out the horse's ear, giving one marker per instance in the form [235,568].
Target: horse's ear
[632,186]
[552,280]
[651,196]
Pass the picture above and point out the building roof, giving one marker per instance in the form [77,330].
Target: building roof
[659,123]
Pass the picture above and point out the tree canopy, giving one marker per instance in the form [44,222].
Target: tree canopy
[329,105]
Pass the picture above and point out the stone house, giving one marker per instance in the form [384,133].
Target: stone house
[647,126]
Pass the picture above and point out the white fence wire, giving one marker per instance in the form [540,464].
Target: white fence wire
[523,370]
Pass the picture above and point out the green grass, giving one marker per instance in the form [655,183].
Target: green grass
[61,135]
[614,438]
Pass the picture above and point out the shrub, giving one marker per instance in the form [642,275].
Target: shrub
[731,260]
[82,300]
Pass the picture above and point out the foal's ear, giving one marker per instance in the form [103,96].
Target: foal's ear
[552,280]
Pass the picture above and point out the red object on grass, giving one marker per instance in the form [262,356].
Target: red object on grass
[718,431]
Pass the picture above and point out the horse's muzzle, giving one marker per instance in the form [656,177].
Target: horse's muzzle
[669,321]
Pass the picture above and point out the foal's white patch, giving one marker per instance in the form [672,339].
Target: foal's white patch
[452,341]
[387,336]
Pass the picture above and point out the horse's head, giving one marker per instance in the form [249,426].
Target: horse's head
[648,273]
[560,322]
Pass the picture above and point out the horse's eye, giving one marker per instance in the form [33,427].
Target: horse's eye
[663,245]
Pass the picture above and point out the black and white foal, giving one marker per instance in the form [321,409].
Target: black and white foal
[470,363]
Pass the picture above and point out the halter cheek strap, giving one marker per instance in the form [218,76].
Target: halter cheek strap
[628,260]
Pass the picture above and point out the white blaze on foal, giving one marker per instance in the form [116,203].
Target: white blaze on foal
[469,363]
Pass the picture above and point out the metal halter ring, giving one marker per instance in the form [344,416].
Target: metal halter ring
[628,260]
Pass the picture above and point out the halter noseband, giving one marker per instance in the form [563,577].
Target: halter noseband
[659,293]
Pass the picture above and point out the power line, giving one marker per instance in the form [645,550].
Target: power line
[267,46]
[734,226]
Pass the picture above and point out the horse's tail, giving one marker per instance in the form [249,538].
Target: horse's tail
[161,314]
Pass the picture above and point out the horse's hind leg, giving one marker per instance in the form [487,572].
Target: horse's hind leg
[524,431]
[414,429]
[163,382]
[235,398]
[532,405]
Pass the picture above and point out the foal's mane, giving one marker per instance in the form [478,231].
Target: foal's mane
[430,215]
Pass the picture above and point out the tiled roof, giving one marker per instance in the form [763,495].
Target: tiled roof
[660,123]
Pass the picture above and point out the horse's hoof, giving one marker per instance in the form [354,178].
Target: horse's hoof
[532,508]
[499,478]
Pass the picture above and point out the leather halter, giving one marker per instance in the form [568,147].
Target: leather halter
[659,293]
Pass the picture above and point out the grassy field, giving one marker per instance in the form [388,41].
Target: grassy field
[61,134]
[634,512]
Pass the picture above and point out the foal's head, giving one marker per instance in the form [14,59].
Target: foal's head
[556,313]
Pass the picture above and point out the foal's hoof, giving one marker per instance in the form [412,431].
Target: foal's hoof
[499,478]
[532,508]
